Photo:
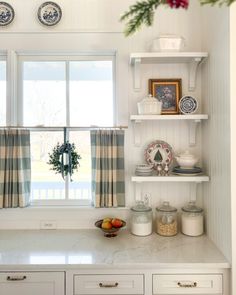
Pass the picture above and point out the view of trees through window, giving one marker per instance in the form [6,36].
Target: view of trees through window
[65,93]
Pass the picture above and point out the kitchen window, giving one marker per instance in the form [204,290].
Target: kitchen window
[57,92]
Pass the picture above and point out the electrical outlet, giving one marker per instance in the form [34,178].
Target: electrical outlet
[48,224]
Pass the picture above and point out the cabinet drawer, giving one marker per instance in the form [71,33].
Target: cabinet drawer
[28,283]
[108,284]
[187,284]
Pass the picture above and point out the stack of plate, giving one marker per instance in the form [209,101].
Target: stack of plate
[187,171]
[143,170]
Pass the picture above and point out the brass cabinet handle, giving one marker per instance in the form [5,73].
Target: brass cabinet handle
[189,285]
[16,278]
[101,285]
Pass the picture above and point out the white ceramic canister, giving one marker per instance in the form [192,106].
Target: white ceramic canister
[149,106]
[192,220]
[141,219]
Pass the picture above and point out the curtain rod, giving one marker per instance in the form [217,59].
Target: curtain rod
[61,128]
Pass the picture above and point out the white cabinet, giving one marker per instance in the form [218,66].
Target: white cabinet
[32,283]
[108,284]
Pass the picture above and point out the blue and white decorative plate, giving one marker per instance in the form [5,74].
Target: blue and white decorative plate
[7,14]
[188,105]
[49,13]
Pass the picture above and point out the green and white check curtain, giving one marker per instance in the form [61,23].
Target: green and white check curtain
[108,185]
[15,171]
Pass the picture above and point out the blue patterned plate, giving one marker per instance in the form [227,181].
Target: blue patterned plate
[188,104]
[7,14]
[49,13]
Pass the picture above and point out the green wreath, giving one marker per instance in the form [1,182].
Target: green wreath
[64,159]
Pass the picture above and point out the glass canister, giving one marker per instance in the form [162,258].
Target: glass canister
[166,220]
[192,220]
[141,219]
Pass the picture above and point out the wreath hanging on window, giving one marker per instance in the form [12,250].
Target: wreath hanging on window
[64,159]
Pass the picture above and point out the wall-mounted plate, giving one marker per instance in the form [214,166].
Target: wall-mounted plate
[188,105]
[7,14]
[49,13]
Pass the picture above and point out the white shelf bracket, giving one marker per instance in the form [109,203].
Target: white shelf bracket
[193,131]
[193,66]
[137,132]
[137,73]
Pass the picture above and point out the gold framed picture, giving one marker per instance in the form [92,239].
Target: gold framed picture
[169,92]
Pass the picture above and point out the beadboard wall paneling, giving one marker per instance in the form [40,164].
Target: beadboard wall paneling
[83,34]
[103,16]
[216,135]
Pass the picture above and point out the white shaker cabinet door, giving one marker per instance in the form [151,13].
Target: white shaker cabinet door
[32,283]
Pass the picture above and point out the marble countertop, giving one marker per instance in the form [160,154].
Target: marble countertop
[90,249]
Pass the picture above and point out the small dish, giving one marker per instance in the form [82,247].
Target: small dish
[195,171]
[7,14]
[49,13]
[109,233]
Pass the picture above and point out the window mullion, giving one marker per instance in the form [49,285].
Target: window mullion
[67,179]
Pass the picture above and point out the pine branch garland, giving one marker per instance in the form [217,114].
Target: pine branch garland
[142,12]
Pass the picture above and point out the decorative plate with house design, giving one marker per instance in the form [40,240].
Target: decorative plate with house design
[7,14]
[49,13]
[158,152]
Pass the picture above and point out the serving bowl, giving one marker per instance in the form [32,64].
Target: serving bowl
[109,233]
[186,160]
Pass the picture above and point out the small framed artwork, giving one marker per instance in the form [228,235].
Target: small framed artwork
[169,92]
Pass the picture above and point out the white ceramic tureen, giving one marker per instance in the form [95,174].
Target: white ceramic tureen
[149,106]
[186,160]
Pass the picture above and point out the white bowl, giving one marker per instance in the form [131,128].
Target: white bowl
[168,43]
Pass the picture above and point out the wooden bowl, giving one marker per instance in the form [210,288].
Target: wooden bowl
[109,233]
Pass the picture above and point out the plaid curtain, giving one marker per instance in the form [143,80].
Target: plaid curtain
[108,184]
[15,172]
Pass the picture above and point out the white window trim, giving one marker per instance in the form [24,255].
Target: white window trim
[15,60]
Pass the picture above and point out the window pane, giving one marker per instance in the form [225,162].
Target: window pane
[44,93]
[91,93]
[80,187]
[3,93]
[46,184]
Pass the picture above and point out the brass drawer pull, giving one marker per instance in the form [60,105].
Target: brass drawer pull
[16,278]
[101,285]
[190,285]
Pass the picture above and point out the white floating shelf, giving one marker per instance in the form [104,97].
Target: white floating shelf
[139,118]
[172,178]
[193,59]
[167,57]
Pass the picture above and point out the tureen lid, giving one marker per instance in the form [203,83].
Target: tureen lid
[141,207]
[165,207]
[191,207]
[149,99]
[186,155]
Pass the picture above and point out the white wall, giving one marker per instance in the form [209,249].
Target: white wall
[216,135]
[92,25]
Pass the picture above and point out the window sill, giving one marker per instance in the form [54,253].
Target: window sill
[63,208]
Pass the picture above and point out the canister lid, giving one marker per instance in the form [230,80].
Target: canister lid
[191,207]
[141,207]
[165,207]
